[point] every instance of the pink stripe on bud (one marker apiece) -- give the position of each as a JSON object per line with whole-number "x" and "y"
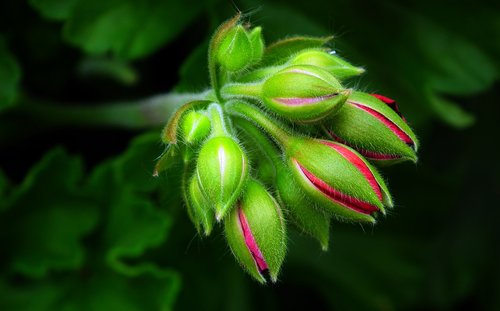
{"x": 360, "y": 165}
{"x": 366, "y": 153}
{"x": 337, "y": 196}
{"x": 390, "y": 102}
{"x": 251, "y": 243}
{"x": 298, "y": 101}
{"x": 393, "y": 127}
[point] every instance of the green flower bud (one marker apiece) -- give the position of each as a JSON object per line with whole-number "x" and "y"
{"x": 221, "y": 170}
{"x": 199, "y": 210}
{"x": 255, "y": 232}
{"x": 332, "y": 175}
{"x": 304, "y": 93}
{"x": 235, "y": 50}
{"x": 257, "y": 42}
{"x": 195, "y": 127}
{"x": 337, "y": 178}
{"x": 327, "y": 61}
{"x": 379, "y": 134}
{"x": 300, "y": 93}
{"x": 303, "y": 213}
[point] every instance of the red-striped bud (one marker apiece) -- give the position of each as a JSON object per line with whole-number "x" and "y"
{"x": 373, "y": 126}
{"x": 338, "y": 178}
{"x": 255, "y": 231}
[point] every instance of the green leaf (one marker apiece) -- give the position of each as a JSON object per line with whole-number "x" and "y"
{"x": 458, "y": 66}
{"x": 450, "y": 112}
{"x": 46, "y": 217}
{"x": 94, "y": 290}
{"x": 128, "y": 28}
{"x": 10, "y": 76}
{"x": 135, "y": 166}
{"x": 193, "y": 74}
{"x": 54, "y": 9}
{"x": 122, "y": 187}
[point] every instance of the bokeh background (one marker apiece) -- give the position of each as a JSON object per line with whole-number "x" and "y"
{"x": 84, "y": 226}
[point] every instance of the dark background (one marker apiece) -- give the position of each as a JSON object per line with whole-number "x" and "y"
{"x": 84, "y": 226}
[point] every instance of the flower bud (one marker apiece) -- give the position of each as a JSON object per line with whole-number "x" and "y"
{"x": 338, "y": 67}
{"x": 338, "y": 178}
{"x": 199, "y": 209}
{"x": 257, "y": 42}
{"x": 195, "y": 127}
{"x": 255, "y": 232}
{"x": 374, "y": 128}
{"x": 303, "y": 213}
{"x": 303, "y": 93}
{"x": 235, "y": 50}
{"x": 221, "y": 170}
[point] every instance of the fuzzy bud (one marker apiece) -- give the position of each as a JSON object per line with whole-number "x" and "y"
{"x": 338, "y": 67}
{"x": 199, "y": 209}
{"x": 257, "y": 42}
{"x": 235, "y": 50}
{"x": 255, "y": 231}
{"x": 338, "y": 178}
{"x": 195, "y": 127}
{"x": 303, "y": 93}
{"x": 303, "y": 213}
{"x": 221, "y": 171}
{"x": 379, "y": 134}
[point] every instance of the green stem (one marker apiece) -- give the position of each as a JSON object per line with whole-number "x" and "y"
{"x": 145, "y": 113}
{"x": 273, "y": 127}
{"x": 259, "y": 74}
{"x": 217, "y": 119}
{"x": 260, "y": 139}
{"x": 253, "y": 90}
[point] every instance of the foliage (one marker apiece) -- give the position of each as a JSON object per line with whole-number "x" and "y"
{"x": 96, "y": 231}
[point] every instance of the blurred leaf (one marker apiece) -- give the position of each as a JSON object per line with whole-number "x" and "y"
{"x": 193, "y": 74}
{"x": 459, "y": 66}
{"x": 128, "y": 28}
{"x": 133, "y": 222}
{"x": 450, "y": 112}
{"x": 10, "y": 76}
{"x": 46, "y": 217}
{"x": 135, "y": 166}
{"x": 38, "y": 296}
{"x": 54, "y": 9}
{"x": 360, "y": 266}
{"x": 93, "y": 291}
{"x": 116, "y": 70}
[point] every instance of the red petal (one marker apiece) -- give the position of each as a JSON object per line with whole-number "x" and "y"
{"x": 336, "y": 196}
{"x": 366, "y": 153}
{"x": 390, "y": 102}
{"x": 360, "y": 165}
{"x": 393, "y": 127}
{"x": 251, "y": 243}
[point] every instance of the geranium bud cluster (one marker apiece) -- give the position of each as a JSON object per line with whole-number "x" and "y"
{"x": 279, "y": 142}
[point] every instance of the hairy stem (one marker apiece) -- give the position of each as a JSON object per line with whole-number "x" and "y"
{"x": 144, "y": 113}
{"x": 249, "y": 112}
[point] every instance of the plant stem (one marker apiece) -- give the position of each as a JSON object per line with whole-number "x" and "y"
{"x": 273, "y": 127}
{"x": 217, "y": 118}
{"x": 261, "y": 140}
{"x": 144, "y": 113}
{"x": 252, "y": 90}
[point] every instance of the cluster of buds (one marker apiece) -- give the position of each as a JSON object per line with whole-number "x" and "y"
{"x": 244, "y": 166}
